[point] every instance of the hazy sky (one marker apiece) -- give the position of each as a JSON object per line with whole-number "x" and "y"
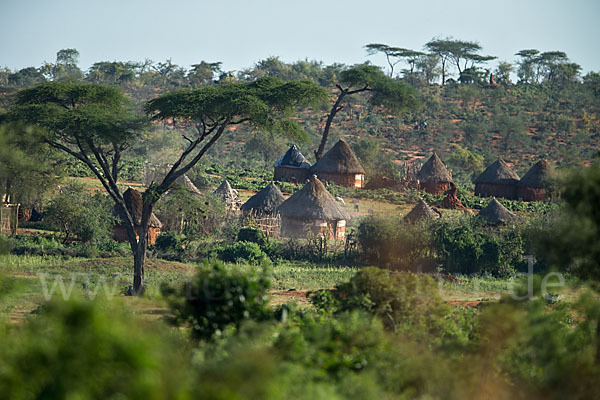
{"x": 241, "y": 32}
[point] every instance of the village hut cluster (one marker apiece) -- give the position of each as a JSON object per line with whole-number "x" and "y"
{"x": 499, "y": 180}
{"x": 313, "y": 210}
{"x": 339, "y": 165}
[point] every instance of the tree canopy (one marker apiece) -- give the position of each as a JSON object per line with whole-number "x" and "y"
{"x": 395, "y": 96}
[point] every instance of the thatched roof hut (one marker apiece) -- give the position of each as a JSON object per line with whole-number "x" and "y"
{"x": 264, "y": 202}
{"x": 340, "y": 165}
{"x": 496, "y": 214}
{"x": 433, "y": 177}
{"x": 498, "y": 180}
{"x": 532, "y": 187}
{"x": 420, "y": 212}
{"x": 134, "y": 203}
{"x": 312, "y": 209}
{"x": 189, "y": 185}
{"x": 228, "y": 195}
{"x": 292, "y": 167}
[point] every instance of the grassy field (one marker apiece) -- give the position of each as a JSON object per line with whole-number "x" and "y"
{"x": 35, "y": 279}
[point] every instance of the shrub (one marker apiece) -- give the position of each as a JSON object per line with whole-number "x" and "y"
{"x": 252, "y": 234}
{"x": 75, "y": 212}
{"x": 220, "y": 296}
{"x": 465, "y": 246}
{"x": 169, "y": 241}
{"x": 79, "y": 350}
{"x": 248, "y": 252}
{"x": 394, "y": 244}
{"x": 405, "y": 302}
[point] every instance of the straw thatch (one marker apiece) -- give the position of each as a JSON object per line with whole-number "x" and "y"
{"x": 134, "y": 203}
{"x": 498, "y": 173}
{"x": 434, "y": 170}
{"x": 496, "y": 214}
{"x": 313, "y": 202}
{"x": 419, "y": 212}
{"x": 532, "y": 187}
{"x": 266, "y": 201}
{"x": 498, "y": 180}
{"x": 293, "y": 158}
{"x": 340, "y": 159}
{"x": 537, "y": 176}
{"x": 189, "y": 185}
{"x": 433, "y": 177}
{"x": 229, "y": 196}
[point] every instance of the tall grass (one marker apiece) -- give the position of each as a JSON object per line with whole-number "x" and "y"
{"x": 30, "y": 263}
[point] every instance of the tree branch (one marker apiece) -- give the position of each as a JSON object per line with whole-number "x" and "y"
{"x": 174, "y": 173}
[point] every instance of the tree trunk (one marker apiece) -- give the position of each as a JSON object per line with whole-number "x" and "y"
{"x": 336, "y": 107}
{"x": 598, "y": 342}
{"x": 443, "y": 71}
{"x": 139, "y": 262}
{"x": 139, "y": 253}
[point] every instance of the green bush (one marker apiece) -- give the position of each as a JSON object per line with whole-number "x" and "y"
{"x": 405, "y": 302}
{"x": 80, "y": 350}
{"x": 169, "y": 241}
{"x": 464, "y": 246}
{"x": 392, "y": 243}
{"x": 247, "y": 252}
{"x": 75, "y": 212}
{"x": 49, "y": 245}
{"x": 221, "y": 296}
{"x": 252, "y": 234}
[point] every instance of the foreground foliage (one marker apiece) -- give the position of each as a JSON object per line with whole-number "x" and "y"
{"x": 511, "y": 349}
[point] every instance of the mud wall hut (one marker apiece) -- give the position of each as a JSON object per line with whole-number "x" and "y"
{"x": 313, "y": 209}
{"x": 264, "y": 202}
{"x": 339, "y": 165}
{"x": 498, "y": 180}
{"x": 134, "y": 203}
{"x": 532, "y": 187}
{"x": 434, "y": 177}
{"x": 292, "y": 167}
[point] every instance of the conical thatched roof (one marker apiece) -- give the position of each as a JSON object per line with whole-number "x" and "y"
{"x": 496, "y": 214}
{"x": 419, "y": 212}
{"x": 189, "y": 185}
{"x": 434, "y": 170}
{"x": 265, "y": 201}
{"x": 537, "y": 175}
{"x": 498, "y": 173}
{"x": 313, "y": 201}
{"x": 292, "y": 158}
{"x": 134, "y": 203}
{"x": 339, "y": 160}
{"x": 225, "y": 192}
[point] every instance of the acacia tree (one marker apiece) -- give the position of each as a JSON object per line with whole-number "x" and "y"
{"x": 528, "y": 65}
{"x": 460, "y": 52}
{"x": 91, "y": 123}
{"x": 389, "y": 93}
{"x": 410, "y": 56}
